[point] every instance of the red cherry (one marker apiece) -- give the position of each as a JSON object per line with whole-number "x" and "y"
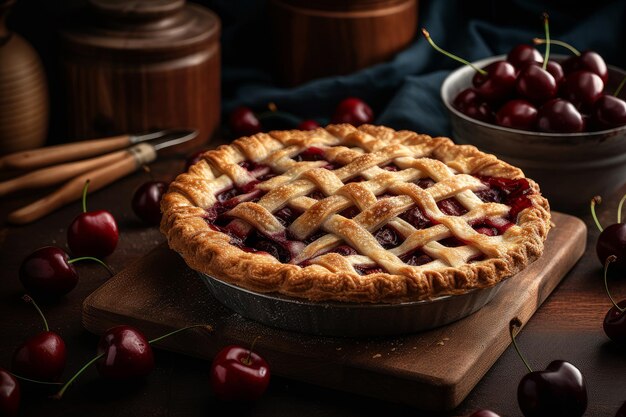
{"x": 582, "y": 88}
{"x": 498, "y": 83}
{"x": 126, "y": 354}
{"x": 308, "y": 125}
{"x": 146, "y": 202}
{"x": 41, "y": 357}
{"x": 484, "y": 413}
{"x": 517, "y": 114}
{"x": 555, "y": 69}
{"x": 612, "y": 239}
{"x": 243, "y": 122}
{"x": 559, "y": 390}
{"x": 194, "y": 158}
{"x": 353, "y": 111}
{"x": 559, "y": 116}
{"x": 47, "y": 272}
{"x": 472, "y": 105}
{"x": 536, "y": 84}
{"x": 622, "y": 411}
{"x": 494, "y": 83}
{"x": 9, "y": 394}
{"x": 92, "y": 233}
{"x": 587, "y": 61}
{"x": 239, "y": 374}
{"x": 522, "y": 55}
{"x": 609, "y": 112}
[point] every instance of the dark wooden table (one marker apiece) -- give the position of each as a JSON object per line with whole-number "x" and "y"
{"x": 568, "y": 326}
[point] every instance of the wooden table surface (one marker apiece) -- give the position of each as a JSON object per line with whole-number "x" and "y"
{"x": 568, "y": 326}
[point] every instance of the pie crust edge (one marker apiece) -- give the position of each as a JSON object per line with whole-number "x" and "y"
{"x": 210, "y": 252}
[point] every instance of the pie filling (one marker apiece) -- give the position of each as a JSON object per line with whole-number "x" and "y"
{"x": 284, "y": 247}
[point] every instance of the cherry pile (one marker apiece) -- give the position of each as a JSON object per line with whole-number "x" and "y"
{"x": 528, "y": 91}
{"x": 243, "y": 121}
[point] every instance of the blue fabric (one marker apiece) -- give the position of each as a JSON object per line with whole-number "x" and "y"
{"x": 404, "y": 92}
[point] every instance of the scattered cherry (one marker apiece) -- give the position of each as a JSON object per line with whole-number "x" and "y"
{"x": 239, "y": 374}
{"x": 48, "y": 272}
{"x": 517, "y": 114}
{"x": 615, "y": 320}
{"x": 243, "y": 122}
{"x": 146, "y": 202}
{"x": 10, "y": 394}
{"x": 559, "y": 390}
{"x": 42, "y": 356}
{"x": 354, "y": 111}
{"x": 612, "y": 240}
{"x": 124, "y": 353}
{"x": 522, "y": 55}
{"x": 308, "y": 124}
{"x": 484, "y": 413}
{"x": 92, "y": 233}
{"x": 559, "y": 116}
{"x": 493, "y": 83}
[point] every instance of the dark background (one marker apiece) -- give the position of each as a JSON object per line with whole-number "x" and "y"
{"x": 404, "y": 92}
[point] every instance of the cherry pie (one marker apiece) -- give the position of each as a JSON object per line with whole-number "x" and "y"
{"x": 363, "y": 214}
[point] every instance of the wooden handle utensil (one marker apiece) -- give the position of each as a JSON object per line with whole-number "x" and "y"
{"x": 134, "y": 158}
{"x": 49, "y": 155}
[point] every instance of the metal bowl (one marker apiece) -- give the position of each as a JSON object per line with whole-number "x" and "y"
{"x": 348, "y": 319}
{"x": 569, "y": 167}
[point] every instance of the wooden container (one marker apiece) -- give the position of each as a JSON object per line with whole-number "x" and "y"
{"x": 318, "y": 38}
{"x": 134, "y": 66}
{"x": 23, "y": 92}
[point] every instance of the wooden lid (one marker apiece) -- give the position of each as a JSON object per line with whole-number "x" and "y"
{"x": 140, "y": 29}
{"x": 137, "y": 9}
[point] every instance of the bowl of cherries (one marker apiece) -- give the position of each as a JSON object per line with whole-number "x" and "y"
{"x": 560, "y": 118}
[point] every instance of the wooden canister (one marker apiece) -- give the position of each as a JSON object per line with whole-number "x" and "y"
{"x": 23, "y": 91}
{"x": 131, "y": 66}
{"x": 318, "y": 38}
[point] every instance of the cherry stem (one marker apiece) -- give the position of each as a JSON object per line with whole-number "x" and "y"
{"x": 611, "y": 258}
{"x": 91, "y": 258}
{"x": 64, "y": 388}
{"x": 248, "y": 360}
{"x": 539, "y": 41}
{"x": 449, "y": 55}
{"x": 515, "y": 322}
{"x": 29, "y": 299}
{"x": 619, "y": 87}
{"x": 619, "y": 208}
{"x": 85, "y": 187}
{"x": 547, "y": 30}
{"x": 59, "y": 394}
{"x": 596, "y": 200}
{"x": 178, "y": 331}
{"x": 35, "y": 381}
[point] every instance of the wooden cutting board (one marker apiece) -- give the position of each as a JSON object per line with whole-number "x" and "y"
{"x": 432, "y": 370}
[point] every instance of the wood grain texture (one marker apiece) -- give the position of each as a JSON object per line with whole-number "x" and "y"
{"x": 128, "y": 75}
{"x": 432, "y": 370}
{"x": 340, "y": 36}
{"x": 24, "y": 106}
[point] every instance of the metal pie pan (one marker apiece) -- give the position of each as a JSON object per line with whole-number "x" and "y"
{"x": 348, "y": 319}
